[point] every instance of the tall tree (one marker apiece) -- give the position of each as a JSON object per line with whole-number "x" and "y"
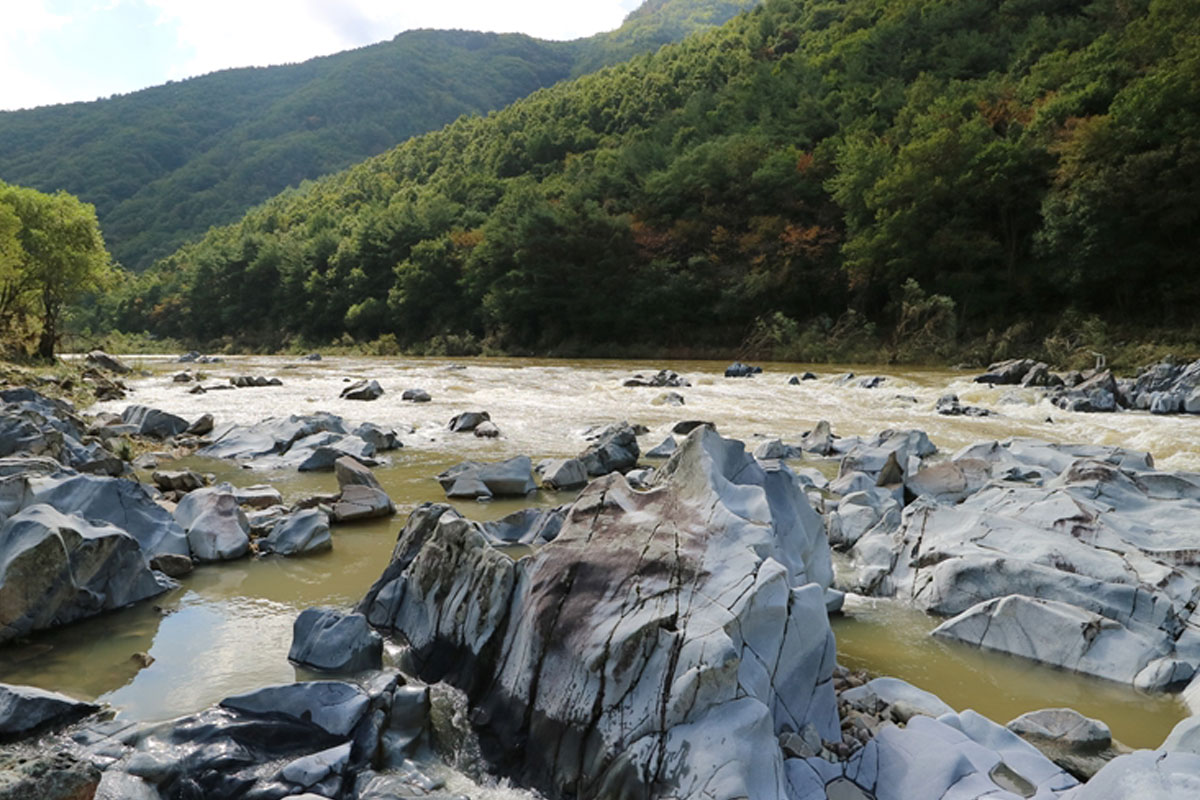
{"x": 62, "y": 254}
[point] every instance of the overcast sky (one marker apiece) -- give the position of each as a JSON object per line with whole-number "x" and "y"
{"x": 57, "y": 51}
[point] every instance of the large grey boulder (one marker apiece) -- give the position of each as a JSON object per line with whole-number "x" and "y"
{"x": 217, "y": 528}
{"x": 127, "y": 505}
{"x": 25, "y": 710}
{"x": 328, "y": 640}
{"x": 351, "y": 472}
{"x": 614, "y": 450}
{"x": 270, "y": 438}
{"x": 674, "y": 634}
{"x": 57, "y": 568}
{"x": 511, "y": 478}
{"x": 1078, "y": 744}
{"x": 301, "y": 533}
{"x": 359, "y": 502}
{"x": 154, "y": 422}
{"x": 563, "y": 473}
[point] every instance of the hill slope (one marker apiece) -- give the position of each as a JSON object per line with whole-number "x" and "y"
{"x": 927, "y": 167}
{"x": 164, "y": 164}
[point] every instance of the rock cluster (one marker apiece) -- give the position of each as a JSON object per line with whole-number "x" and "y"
{"x": 1078, "y": 556}
{"x": 305, "y": 443}
{"x": 664, "y": 378}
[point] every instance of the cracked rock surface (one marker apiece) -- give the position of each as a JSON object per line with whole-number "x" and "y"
{"x": 1081, "y": 556}
{"x": 659, "y": 646}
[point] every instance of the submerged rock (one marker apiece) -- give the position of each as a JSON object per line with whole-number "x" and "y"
{"x": 674, "y": 633}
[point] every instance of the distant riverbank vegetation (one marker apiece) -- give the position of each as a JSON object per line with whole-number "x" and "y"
{"x": 906, "y": 180}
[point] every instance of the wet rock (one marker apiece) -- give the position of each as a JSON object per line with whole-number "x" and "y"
{"x": 312, "y": 357}
{"x": 203, "y": 425}
{"x": 468, "y": 421}
{"x": 739, "y": 370}
{"x": 363, "y": 390}
{"x": 663, "y": 450}
{"x": 329, "y": 640}
{"x": 270, "y": 439}
{"x": 873, "y": 382}
{"x": 688, "y": 425}
{"x": 1007, "y": 373}
{"x": 382, "y": 440}
{"x": 153, "y": 422}
{"x": 948, "y": 405}
{"x": 116, "y": 785}
{"x": 716, "y": 577}
{"x": 663, "y": 379}
{"x": 57, "y": 568}
{"x": 359, "y": 502}
{"x": 615, "y": 450}
{"x": 351, "y": 472}
{"x": 25, "y": 710}
{"x": 1078, "y": 744}
{"x": 46, "y": 775}
{"x": 486, "y": 430}
{"x": 257, "y": 497}
{"x": 1096, "y": 394}
{"x": 253, "y": 381}
{"x": 415, "y": 396}
{"x": 669, "y": 399}
{"x": 302, "y": 533}
{"x": 177, "y": 480}
{"x": 102, "y": 360}
{"x": 217, "y": 529}
{"x": 1039, "y": 375}
{"x": 182, "y": 377}
{"x": 511, "y": 478}
{"x": 563, "y": 473}
{"x": 172, "y": 565}
{"x": 334, "y": 707}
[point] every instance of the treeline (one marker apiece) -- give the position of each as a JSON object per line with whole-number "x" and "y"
{"x": 164, "y": 164}
{"x": 912, "y": 170}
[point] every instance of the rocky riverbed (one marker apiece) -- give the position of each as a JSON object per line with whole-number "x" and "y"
{"x": 665, "y": 631}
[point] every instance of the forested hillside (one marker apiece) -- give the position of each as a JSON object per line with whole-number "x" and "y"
{"x": 164, "y": 164}
{"x": 913, "y": 169}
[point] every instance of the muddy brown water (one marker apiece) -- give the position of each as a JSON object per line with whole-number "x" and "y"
{"x": 227, "y": 629}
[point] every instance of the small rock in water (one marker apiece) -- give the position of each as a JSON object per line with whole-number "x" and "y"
{"x": 363, "y": 390}
{"x": 739, "y": 370}
{"x": 416, "y": 396}
{"x": 487, "y": 430}
{"x": 468, "y": 421}
{"x": 142, "y": 659}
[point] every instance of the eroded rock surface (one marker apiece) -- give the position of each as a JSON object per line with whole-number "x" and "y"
{"x": 658, "y": 646}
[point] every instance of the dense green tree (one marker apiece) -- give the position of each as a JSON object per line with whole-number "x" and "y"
{"x": 61, "y": 256}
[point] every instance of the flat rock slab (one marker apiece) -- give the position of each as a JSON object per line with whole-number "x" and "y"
{"x": 330, "y": 705}
{"x": 25, "y": 710}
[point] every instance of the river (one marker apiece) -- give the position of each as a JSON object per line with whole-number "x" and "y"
{"x": 227, "y": 629}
